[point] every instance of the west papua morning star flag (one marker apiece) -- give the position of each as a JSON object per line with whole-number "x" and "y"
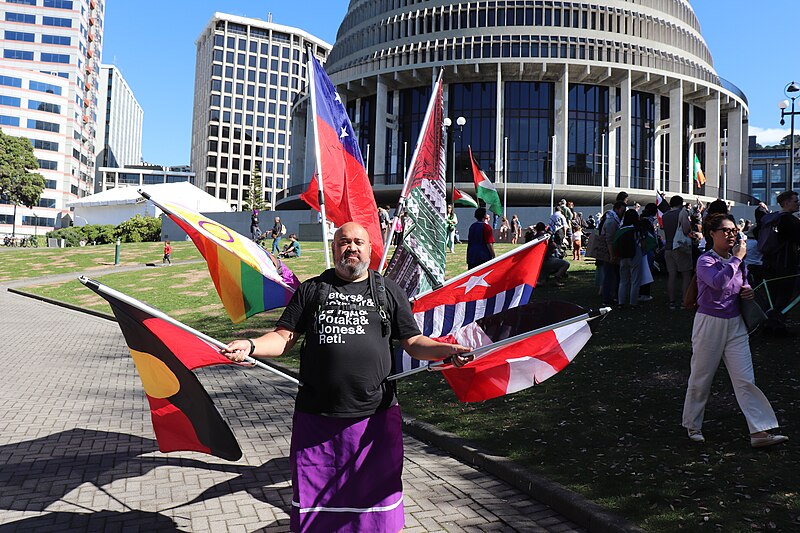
{"x": 418, "y": 263}
{"x": 501, "y": 284}
{"x": 517, "y": 349}
{"x": 346, "y": 186}
{"x": 248, "y": 279}
{"x": 184, "y": 417}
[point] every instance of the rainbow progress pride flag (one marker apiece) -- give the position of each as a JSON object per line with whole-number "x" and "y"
{"x": 248, "y": 279}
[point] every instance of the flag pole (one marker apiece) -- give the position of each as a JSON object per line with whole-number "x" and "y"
{"x": 505, "y": 177}
{"x": 401, "y": 204}
{"x": 105, "y": 289}
{"x": 485, "y": 350}
{"x": 318, "y": 155}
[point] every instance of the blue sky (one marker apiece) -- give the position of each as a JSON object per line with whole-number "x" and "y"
{"x": 152, "y": 42}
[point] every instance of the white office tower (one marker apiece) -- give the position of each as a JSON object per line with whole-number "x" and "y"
{"x": 120, "y": 118}
{"x": 48, "y": 93}
{"x": 248, "y": 75}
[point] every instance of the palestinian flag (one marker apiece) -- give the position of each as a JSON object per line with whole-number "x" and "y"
{"x": 485, "y": 188}
{"x": 463, "y": 199}
{"x": 184, "y": 417}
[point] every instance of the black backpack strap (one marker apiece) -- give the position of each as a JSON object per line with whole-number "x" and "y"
{"x": 378, "y": 289}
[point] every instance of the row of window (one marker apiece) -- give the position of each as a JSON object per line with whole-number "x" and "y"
{"x": 240, "y": 104}
{"x": 242, "y": 45}
{"x": 13, "y": 101}
{"x": 58, "y": 4}
{"x": 45, "y": 57}
{"x": 251, "y": 75}
{"x": 254, "y": 61}
{"x": 518, "y": 13}
{"x": 217, "y": 85}
{"x": 30, "y": 38}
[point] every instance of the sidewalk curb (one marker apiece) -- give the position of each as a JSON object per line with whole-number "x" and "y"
{"x": 572, "y": 505}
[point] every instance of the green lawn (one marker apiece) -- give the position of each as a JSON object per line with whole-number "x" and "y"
{"x": 608, "y": 426}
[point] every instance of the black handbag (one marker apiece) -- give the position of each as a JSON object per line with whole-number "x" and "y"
{"x": 754, "y": 317}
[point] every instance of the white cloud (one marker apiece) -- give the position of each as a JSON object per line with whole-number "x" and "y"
{"x": 768, "y": 136}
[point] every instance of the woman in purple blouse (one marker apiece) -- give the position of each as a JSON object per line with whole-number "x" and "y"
{"x": 719, "y": 333}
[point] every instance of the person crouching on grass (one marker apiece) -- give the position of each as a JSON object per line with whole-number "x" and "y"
{"x": 719, "y": 333}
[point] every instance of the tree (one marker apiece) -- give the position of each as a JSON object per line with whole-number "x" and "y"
{"x": 787, "y": 140}
{"x": 19, "y": 184}
{"x": 257, "y": 192}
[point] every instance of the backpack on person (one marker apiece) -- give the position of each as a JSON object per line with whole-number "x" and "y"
{"x": 768, "y": 239}
{"x": 625, "y": 242}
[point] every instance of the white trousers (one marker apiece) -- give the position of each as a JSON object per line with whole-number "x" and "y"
{"x": 724, "y": 338}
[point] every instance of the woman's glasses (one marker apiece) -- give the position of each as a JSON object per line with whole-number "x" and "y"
{"x": 728, "y": 231}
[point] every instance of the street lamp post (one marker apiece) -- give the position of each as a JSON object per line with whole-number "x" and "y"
{"x": 792, "y": 91}
{"x": 460, "y": 121}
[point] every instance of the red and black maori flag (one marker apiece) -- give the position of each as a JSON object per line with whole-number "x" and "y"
{"x": 184, "y": 417}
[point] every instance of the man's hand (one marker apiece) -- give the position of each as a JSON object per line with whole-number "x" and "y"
{"x": 747, "y": 293}
{"x": 237, "y": 350}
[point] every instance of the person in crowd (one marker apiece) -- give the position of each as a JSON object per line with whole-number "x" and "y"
{"x": 552, "y": 265}
{"x": 678, "y": 259}
{"x": 480, "y": 240}
{"x": 719, "y": 333}
{"x": 569, "y": 215}
{"x": 383, "y": 219}
{"x": 577, "y": 241}
{"x": 649, "y": 224}
{"x": 516, "y": 230}
{"x": 255, "y": 230}
{"x": 278, "y": 231}
{"x": 505, "y": 228}
{"x": 167, "y": 253}
{"x": 346, "y": 449}
{"x": 783, "y": 259}
{"x": 399, "y": 225}
{"x": 452, "y": 223}
{"x": 293, "y": 248}
{"x": 610, "y": 224}
{"x": 628, "y": 242}
{"x": 558, "y": 223}
{"x": 623, "y": 197}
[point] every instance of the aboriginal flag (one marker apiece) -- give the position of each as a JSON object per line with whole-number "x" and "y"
{"x": 184, "y": 417}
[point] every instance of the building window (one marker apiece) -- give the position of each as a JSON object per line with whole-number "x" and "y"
{"x": 19, "y": 36}
{"x": 45, "y": 145}
{"x": 58, "y": 4}
{"x": 44, "y": 126}
{"x": 55, "y": 58}
{"x": 9, "y": 121}
{"x": 8, "y": 81}
{"x": 24, "y": 2}
{"x": 56, "y": 39}
{"x": 44, "y": 164}
{"x": 18, "y": 54}
{"x": 9, "y": 101}
{"x": 44, "y": 106}
{"x": 57, "y": 21}
{"x": 44, "y": 87}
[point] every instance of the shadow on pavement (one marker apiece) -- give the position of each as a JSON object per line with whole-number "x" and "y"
{"x": 37, "y": 473}
{"x": 106, "y": 521}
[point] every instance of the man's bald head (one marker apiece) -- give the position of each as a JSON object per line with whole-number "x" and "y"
{"x": 352, "y": 230}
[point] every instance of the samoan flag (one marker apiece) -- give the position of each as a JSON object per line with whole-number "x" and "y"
{"x": 517, "y": 349}
{"x": 183, "y": 414}
{"x": 248, "y": 279}
{"x": 346, "y": 186}
{"x": 499, "y": 285}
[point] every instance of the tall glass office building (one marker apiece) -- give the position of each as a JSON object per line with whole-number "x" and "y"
{"x": 589, "y": 96}
{"x": 48, "y": 93}
{"x": 248, "y": 74}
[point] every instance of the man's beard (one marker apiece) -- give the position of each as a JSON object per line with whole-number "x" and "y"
{"x": 352, "y": 270}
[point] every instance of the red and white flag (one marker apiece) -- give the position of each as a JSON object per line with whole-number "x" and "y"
{"x": 526, "y": 358}
{"x": 499, "y": 285}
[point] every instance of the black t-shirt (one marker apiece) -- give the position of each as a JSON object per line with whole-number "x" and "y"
{"x": 346, "y": 358}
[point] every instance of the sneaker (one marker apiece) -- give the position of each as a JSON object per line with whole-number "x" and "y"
{"x": 645, "y": 298}
{"x": 767, "y": 440}
{"x": 695, "y": 435}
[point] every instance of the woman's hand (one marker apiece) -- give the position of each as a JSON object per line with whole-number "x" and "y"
{"x": 747, "y": 293}
{"x": 739, "y": 250}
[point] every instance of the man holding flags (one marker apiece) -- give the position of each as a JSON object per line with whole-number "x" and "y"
{"x": 347, "y": 450}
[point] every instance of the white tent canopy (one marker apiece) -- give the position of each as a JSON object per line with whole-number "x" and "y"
{"x": 123, "y": 203}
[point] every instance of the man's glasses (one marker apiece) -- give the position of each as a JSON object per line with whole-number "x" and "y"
{"x": 728, "y": 231}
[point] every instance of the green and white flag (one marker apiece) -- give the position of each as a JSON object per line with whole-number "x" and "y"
{"x": 463, "y": 199}
{"x": 485, "y": 188}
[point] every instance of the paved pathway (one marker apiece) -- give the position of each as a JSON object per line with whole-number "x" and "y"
{"x": 77, "y": 449}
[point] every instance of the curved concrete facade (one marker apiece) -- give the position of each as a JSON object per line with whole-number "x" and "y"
{"x": 591, "y": 96}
